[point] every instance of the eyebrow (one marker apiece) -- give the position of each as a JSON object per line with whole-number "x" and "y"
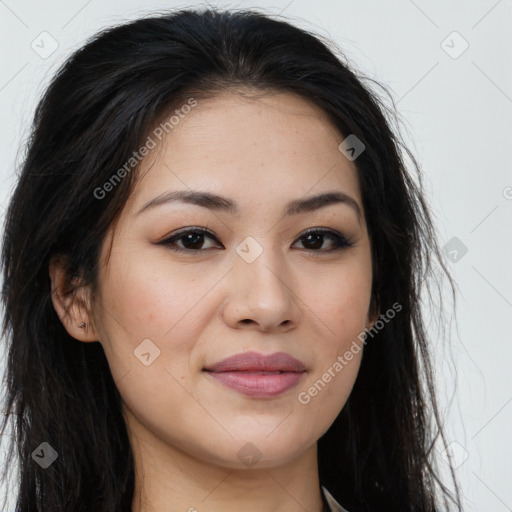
{"x": 219, "y": 203}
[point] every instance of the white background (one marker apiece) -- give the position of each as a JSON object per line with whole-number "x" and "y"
{"x": 457, "y": 113}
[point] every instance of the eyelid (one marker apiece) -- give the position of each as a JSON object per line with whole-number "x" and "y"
{"x": 188, "y": 229}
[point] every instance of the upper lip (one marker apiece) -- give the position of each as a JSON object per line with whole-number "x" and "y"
{"x": 253, "y": 361}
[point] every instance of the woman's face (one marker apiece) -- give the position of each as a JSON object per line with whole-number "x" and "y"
{"x": 255, "y": 283}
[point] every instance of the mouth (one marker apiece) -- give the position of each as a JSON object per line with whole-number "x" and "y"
{"x": 257, "y": 375}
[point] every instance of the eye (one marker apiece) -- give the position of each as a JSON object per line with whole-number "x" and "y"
{"x": 192, "y": 240}
{"x": 315, "y": 237}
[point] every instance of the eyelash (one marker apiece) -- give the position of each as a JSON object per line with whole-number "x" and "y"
{"x": 340, "y": 241}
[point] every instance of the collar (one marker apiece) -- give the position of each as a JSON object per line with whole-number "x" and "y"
{"x": 330, "y": 504}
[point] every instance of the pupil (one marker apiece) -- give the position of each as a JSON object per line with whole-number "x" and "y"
{"x": 318, "y": 237}
{"x": 195, "y": 237}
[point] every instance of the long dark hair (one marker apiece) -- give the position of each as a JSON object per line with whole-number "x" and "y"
{"x": 378, "y": 454}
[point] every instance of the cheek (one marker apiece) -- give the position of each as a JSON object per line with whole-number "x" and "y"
{"x": 342, "y": 300}
{"x": 148, "y": 307}
{"x": 342, "y": 303}
{"x": 148, "y": 295}
{"x": 145, "y": 300}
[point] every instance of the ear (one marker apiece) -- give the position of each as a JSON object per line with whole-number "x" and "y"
{"x": 72, "y": 301}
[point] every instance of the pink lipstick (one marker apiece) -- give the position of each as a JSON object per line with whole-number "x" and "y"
{"x": 258, "y": 375}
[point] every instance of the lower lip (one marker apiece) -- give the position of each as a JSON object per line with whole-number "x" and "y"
{"x": 258, "y": 385}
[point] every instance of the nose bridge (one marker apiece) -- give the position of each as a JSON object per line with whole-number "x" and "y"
{"x": 261, "y": 264}
{"x": 263, "y": 289}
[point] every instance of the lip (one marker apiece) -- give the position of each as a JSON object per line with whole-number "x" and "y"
{"x": 258, "y": 375}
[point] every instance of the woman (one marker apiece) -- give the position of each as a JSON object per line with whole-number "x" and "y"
{"x": 212, "y": 271}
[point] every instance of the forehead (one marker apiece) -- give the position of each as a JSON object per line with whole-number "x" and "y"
{"x": 269, "y": 148}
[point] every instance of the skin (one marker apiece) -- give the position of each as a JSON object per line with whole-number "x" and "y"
{"x": 198, "y": 308}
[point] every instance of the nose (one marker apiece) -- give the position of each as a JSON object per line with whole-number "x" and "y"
{"x": 262, "y": 294}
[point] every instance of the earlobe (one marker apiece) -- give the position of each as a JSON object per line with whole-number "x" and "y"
{"x": 71, "y": 301}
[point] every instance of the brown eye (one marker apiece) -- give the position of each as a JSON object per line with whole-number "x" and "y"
{"x": 314, "y": 239}
{"x": 192, "y": 240}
